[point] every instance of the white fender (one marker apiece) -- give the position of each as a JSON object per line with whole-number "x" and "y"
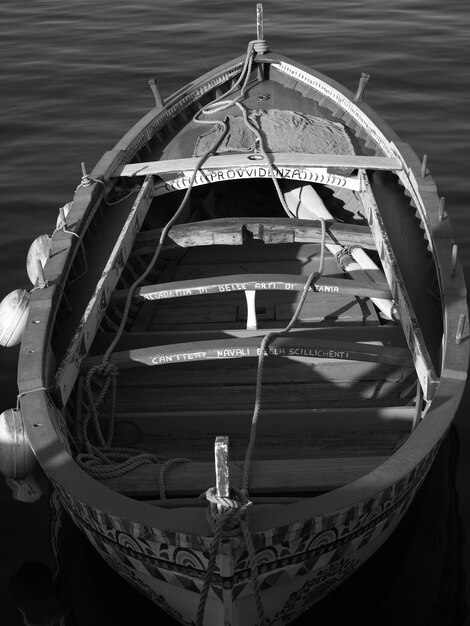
{"x": 39, "y": 251}
{"x": 14, "y": 310}
{"x": 17, "y": 460}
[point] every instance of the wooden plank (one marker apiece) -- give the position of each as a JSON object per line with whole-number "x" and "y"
{"x": 281, "y": 476}
{"x": 389, "y": 334}
{"x": 237, "y": 231}
{"x": 285, "y": 394}
{"x": 300, "y": 345}
{"x": 310, "y": 421}
{"x": 254, "y": 282}
{"x": 422, "y": 360}
{"x": 176, "y": 182}
{"x": 83, "y": 337}
{"x": 279, "y": 160}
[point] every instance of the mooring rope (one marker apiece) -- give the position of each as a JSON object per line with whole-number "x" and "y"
{"x": 231, "y": 521}
{"x": 267, "y": 339}
{"x": 105, "y": 460}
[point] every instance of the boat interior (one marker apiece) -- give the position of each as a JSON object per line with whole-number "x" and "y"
{"x": 339, "y": 392}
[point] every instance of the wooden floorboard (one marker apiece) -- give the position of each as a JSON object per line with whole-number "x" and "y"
{"x": 274, "y": 476}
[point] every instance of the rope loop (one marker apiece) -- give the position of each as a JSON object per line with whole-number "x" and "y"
{"x": 344, "y": 257}
{"x": 231, "y": 522}
{"x": 260, "y": 46}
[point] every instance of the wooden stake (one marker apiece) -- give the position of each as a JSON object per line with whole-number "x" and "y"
{"x": 442, "y": 204}
{"x": 424, "y": 166}
{"x": 221, "y": 469}
{"x": 41, "y": 281}
{"x": 259, "y": 21}
{"x": 156, "y": 93}
{"x": 361, "y": 87}
{"x": 460, "y": 328}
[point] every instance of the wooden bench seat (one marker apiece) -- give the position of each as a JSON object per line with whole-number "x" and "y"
{"x": 298, "y": 345}
{"x": 238, "y": 231}
{"x": 254, "y": 282}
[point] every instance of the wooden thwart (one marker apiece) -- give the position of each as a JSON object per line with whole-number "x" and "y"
{"x": 238, "y": 231}
{"x": 250, "y": 160}
{"x": 277, "y": 476}
{"x": 299, "y": 345}
{"x": 254, "y": 282}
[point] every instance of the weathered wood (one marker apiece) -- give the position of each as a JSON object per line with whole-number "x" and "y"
{"x": 257, "y": 282}
{"x": 231, "y": 161}
{"x": 300, "y": 345}
{"x": 280, "y": 476}
{"x": 83, "y": 337}
{"x": 237, "y": 231}
{"x": 389, "y": 335}
{"x": 172, "y": 182}
{"x": 222, "y": 481}
{"x": 422, "y": 360}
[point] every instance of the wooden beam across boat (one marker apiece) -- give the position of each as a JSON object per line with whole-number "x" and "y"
{"x": 254, "y": 282}
{"x": 270, "y": 476}
{"x": 298, "y": 345}
{"x": 240, "y": 230}
{"x": 414, "y": 336}
{"x": 223, "y": 163}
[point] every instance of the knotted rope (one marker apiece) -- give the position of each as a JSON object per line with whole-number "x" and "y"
{"x": 232, "y": 521}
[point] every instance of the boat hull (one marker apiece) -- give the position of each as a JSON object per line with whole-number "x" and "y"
{"x": 297, "y": 565}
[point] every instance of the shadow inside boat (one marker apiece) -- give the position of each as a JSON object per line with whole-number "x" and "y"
{"x": 416, "y": 578}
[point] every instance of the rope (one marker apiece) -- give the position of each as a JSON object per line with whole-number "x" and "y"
{"x": 267, "y": 339}
{"x": 98, "y": 459}
{"x": 229, "y": 522}
{"x": 25, "y": 393}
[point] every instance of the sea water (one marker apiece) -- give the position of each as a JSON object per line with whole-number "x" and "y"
{"x": 74, "y": 77}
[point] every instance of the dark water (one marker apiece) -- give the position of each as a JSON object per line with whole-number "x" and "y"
{"x": 74, "y": 77}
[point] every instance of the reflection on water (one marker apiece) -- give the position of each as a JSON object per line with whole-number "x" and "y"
{"x": 417, "y": 578}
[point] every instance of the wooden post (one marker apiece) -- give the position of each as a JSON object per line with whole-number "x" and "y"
{"x": 424, "y": 166}
{"x": 361, "y": 87}
{"x": 221, "y": 469}
{"x": 454, "y": 260}
{"x": 156, "y": 93}
{"x": 85, "y": 178}
{"x": 251, "y": 321}
{"x": 259, "y": 21}
{"x": 460, "y": 328}
{"x": 442, "y": 204}
{"x": 41, "y": 281}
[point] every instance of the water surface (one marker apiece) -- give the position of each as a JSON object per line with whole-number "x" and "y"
{"x": 75, "y": 76}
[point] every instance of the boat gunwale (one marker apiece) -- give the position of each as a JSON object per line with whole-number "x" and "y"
{"x": 51, "y": 449}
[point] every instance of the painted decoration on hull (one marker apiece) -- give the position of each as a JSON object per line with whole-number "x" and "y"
{"x": 298, "y": 564}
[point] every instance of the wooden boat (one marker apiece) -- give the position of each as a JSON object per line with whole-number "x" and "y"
{"x": 266, "y": 265}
